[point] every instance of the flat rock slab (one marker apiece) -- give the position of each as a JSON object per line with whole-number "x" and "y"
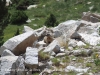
{"x": 31, "y": 57}
{"x": 18, "y": 44}
{"x": 72, "y": 68}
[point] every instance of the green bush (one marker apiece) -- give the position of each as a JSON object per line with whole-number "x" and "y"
{"x": 18, "y": 17}
{"x": 51, "y": 21}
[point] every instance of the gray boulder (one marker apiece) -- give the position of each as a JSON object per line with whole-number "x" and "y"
{"x": 18, "y": 44}
{"x": 72, "y": 43}
{"x": 90, "y": 39}
{"x": 84, "y": 52}
{"x": 56, "y": 33}
{"x": 53, "y": 46}
{"x": 92, "y": 17}
{"x": 6, "y": 63}
{"x": 31, "y": 58}
{"x": 68, "y": 27}
{"x": 18, "y": 67}
{"x": 80, "y": 44}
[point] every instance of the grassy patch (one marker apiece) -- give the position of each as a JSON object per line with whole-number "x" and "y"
{"x": 71, "y": 73}
{"x": 55, "y": 61}
{"x": 43, "y": 56}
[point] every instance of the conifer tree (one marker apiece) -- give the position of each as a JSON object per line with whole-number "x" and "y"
{"x": 3, "y": 18}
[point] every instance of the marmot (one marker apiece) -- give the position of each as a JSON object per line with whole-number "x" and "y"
{"x": 48, "y": 39}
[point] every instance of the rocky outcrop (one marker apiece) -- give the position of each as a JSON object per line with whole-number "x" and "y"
{"x": 6, "y": 64}
{"x": 18, "y": 67}
{"x": 18, "y": 44}
{"x": 72, "y": 46}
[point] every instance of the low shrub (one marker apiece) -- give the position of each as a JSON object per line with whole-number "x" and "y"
{"x": 51, "y": 21}
{"x": 56, "y": 62}
{"x": 18, "y": 17}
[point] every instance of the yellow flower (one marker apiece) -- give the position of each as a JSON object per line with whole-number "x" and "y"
{"x": 97, "y": 55}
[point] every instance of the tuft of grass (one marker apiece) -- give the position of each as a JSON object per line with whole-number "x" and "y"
{"x": 55, "y": 61}
{"x": 86, "y": 46}
{"x": 89, "y": 64}
{"x": 71, "y": 73}
{"x": 43, "y": 56}
{"x": 36, "y": 73}
{"x": 66, "y": 59}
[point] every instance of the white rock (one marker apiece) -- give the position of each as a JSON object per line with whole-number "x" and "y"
{"x": 44, "y": 6}
{"x": 53, "y": 46}
{"x": 68, "y": 27}
{"x": 95, "y": 34}
{"x": 89, "y": 2}
{"x": 28, "y": 21}
{"x": 8, "y": 2}
{"x": 60, "y": 54}
{"x": 18, "y": 44}
{"x": 32, "y": 6}
{"x": 92, "y": 40}
{"x": 80, "y": 43}
{"x": 27, "y": 29}
{"x": 62, "y": 50}
{"x": 72, "y": 68}
{"x": 72, "y": 43}
{"x": 6, "y": 64}
{"x": 7, "y": 52}
{"x": 91, "y": 7}
{"x": 42, "y": 42}
{"x": 70, "y": 48}
{"x": 31, "y": 57}
{"x": 80, "y": 74}
{"x": 53, "y": 53}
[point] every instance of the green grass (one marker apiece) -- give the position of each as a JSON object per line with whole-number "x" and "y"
{"x": 10, "y": 31}
{"x": 63, "y": 11}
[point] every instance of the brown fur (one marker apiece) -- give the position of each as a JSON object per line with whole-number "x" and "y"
{"x": 48, "y": 39}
